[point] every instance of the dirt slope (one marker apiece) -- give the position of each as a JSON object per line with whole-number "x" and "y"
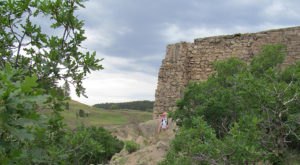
{"x": 153, "y": 145}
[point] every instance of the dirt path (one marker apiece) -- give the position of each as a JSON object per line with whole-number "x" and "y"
{"x": 153, "y": 146}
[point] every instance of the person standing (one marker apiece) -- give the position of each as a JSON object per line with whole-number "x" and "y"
{"x": 163, "y": 122}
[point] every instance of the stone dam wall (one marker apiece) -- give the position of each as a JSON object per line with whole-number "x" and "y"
{"x": 185, "y": 62}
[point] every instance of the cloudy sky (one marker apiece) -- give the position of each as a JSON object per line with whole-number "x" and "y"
{"x": 131, "y": 36}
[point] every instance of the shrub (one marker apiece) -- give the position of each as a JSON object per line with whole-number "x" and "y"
{"x": 83, "y": 113}
{"x": 131, "y": 146}
{"x": 242, "y": 114}
{"x": 91, "y": 145}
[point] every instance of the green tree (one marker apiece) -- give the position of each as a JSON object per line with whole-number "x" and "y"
{"x": 33, "y": 58}
{"x": 242, "y": 114}
{"x": 26, "y": 45}
{"x": 136, "y": 105}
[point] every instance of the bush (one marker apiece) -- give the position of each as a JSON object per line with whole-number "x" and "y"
{"x": 91, "y": 145}
{"x": 83, "y": 113}
{"x": 242, "y": 114}
{"x": 131, "y": 146}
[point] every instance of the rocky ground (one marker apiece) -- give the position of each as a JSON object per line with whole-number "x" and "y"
{"x": 153, "y": 145}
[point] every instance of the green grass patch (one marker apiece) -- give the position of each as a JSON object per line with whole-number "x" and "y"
{"x": 131, "y": 146}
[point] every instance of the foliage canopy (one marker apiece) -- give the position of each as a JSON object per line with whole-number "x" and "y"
{"x": 40, "y": 45}
{"x": 244, "y": 113}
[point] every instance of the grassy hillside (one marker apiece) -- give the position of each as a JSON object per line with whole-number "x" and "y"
{"x": 101, "y": 117}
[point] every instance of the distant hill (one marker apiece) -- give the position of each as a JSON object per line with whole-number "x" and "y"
{"x": 144, "y": 105}
{"x": 99, "y": 117}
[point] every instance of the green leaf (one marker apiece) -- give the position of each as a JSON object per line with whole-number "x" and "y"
{"x": 40, "y": 99}
{"x": 22, "y": 134}
{"x": 23, "y": 122}
{"x": 29, "y": 83}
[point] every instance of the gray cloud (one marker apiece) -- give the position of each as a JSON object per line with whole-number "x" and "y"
{"x": 135, "y": 26}
{"x": 132, "y": 34}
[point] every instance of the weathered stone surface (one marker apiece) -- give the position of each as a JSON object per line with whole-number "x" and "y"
{"x": 186, "y": 62}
